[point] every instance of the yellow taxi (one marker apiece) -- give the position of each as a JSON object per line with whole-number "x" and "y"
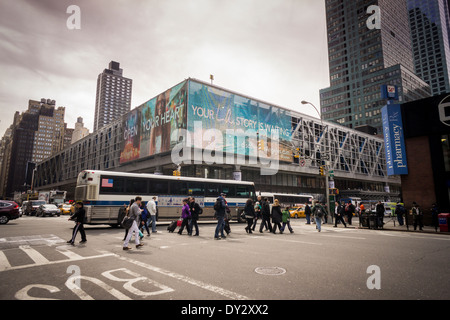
{"x": 297, "y": 212}
{"x": 65, "y": 208}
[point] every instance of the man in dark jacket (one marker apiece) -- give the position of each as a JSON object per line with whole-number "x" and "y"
{"x": 380, "y": 213}
{"x": 220, "y": 210}
{"x": 265, "y": 211}
{"x": 79, "y": 217}
{"x": 195, "y": 211}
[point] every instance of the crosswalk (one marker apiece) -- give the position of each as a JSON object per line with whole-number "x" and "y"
{"x": 38, "y": 250}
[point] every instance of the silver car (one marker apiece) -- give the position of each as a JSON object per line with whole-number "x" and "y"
{"x": 48, "y": 210}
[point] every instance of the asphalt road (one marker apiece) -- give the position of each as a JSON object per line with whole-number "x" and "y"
{"x": 337, "y": 263}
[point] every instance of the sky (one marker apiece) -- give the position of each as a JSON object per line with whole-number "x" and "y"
{"x": 271, "y": 50}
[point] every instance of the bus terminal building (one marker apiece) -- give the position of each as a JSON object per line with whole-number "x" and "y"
{"x": 201, "y": 130}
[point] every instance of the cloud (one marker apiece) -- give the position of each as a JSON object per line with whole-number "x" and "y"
{"x": 272, "y": 50}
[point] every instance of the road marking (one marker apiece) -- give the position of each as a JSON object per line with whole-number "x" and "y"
{"x": 34, "y": 255}
{"x": 4, "y": 263}
{"x": 200, "y": 284}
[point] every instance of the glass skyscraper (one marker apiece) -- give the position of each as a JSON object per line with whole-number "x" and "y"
{"x": 429, "y": 21}
{"x": 362, "y": 58}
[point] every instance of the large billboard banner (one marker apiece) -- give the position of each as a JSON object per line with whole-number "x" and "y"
{"x": 152, "y": 127}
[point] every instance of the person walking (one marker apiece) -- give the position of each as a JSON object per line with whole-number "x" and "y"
{"x": 257, "y": 212}
{"x": 435, "y": 216}
{"x": 152, "y": 210}
{"x": 349, "y": 211}
{"x": 265, "y": 216}
{"x": 308, "y": 213}
{"x": 318, "y": 211}
{"x": 276, "y": 216}
{"x": 186, "y": 216}
{"x": 417, "y": 216}
{"x": 249, "y": 213}
{"x": 78, "y": 216}
{"x": 145, "y": 217}
{"x": 339, "y": 214}
{"x": 400, "y": 211}
{"x": 219, "y": 214}
{"x": 286, "y": 218}
{"x": 196, "y": 210}
{"x": 134, "y": 214}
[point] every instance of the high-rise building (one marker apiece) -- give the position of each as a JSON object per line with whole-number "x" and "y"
{"x": 362, "y": 58}
{"x": 113, "y": 98}
{"x": 33, "y": 136}
{"x": 429, "y": 21}
{"x": 80, "y": 130}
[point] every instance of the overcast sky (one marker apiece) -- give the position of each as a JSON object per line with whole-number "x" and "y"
{"x": 273, "y": 50}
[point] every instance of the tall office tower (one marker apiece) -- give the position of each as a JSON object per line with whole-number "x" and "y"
{"x": 429, "y": 22}
{"x": 364, "y": 56}
{"x": 113, "y": 97}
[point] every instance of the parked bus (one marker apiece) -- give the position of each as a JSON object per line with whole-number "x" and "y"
{"x": 104, "y": 193}
{"x": 290, "y": 200}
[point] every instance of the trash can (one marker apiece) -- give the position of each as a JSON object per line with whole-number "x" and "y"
{"x": 373, "y": 221}
{"x": 444, "y": 221}
{"x": 365, "y": 220}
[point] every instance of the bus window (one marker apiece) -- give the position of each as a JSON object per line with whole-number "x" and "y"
{"x": 229, "y": 190}
{"x": 136, "y": 186}
{"x": 243, "y": 192}
{"x": 213, "y": 190}
{"x": 178, "y": 188}
{"x": 112, "y": 185}
{"x": 196, "y": 189}
{"x": 158, "y": 187}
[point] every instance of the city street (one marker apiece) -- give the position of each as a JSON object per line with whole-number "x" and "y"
{"x": 337, "y": 263}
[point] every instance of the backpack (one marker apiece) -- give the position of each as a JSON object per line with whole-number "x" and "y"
{"x": 319, "y": 212}
{"x": 217, "y": 205}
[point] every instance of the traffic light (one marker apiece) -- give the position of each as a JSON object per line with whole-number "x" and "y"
{"x": 321, "y": 171}
{"x": 177, "y": 173}
{"x": 261, "y": 145}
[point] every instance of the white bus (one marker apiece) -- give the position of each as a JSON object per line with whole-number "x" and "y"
{"x": 104, "y": 193}
{"x": 288, "y": 200}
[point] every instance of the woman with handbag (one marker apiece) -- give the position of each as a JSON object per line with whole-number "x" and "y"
{"x": 249, "y": 212}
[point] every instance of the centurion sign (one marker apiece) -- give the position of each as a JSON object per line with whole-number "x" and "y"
{"x": 394, "y": 143}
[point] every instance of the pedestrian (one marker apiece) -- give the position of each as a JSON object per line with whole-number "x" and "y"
{"x": 417, "y": 216}
{"x": 145, "y": 217}
{"x": 249, "y": 213}
{"x": 339, "y": 214}
{"x": 227, "y": 219}
{"x": 186, "y": 216}
{"x": 196, "y": 210}
{"x": 435, "y": 216}
{"x": 219, "y": 214}
{"x": 400, "y": 211}
{"x": 349, "y": 211}
{"x": 257, "y": 212}
{"x": 153, "y": 210}
{"x": 276, "y": 216}
{"x": 318, "y": 211}
{"x": 325, "y": 216}
{"x": 265, "y": 216}
{"x": 379, "y": 209}
{"x": 78, "y": 216}
{"x": 286, "y": 218}
{"x": 134, "y": 213}
{"x": 308, "y": 213}
{"x": 127, "y": 211}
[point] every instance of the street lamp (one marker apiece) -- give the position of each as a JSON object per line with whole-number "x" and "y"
{"x": 327, "y": 186}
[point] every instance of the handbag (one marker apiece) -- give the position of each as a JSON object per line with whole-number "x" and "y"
{"x": 127, "y": 222}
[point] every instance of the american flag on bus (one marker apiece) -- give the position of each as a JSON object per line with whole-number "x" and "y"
{"x": 107, "y": 183}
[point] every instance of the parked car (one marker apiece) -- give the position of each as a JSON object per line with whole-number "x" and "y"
{"x": 9, "y": 210}
{"x": 48, "y": 210}
{"x": 65, "y": 208}
{"x": 32, "y": 206}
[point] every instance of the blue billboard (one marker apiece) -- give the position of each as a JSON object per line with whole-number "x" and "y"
{"x": 394, "y": 142}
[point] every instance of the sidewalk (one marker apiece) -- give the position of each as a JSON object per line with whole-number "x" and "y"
{"x": 391, "y": 224}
